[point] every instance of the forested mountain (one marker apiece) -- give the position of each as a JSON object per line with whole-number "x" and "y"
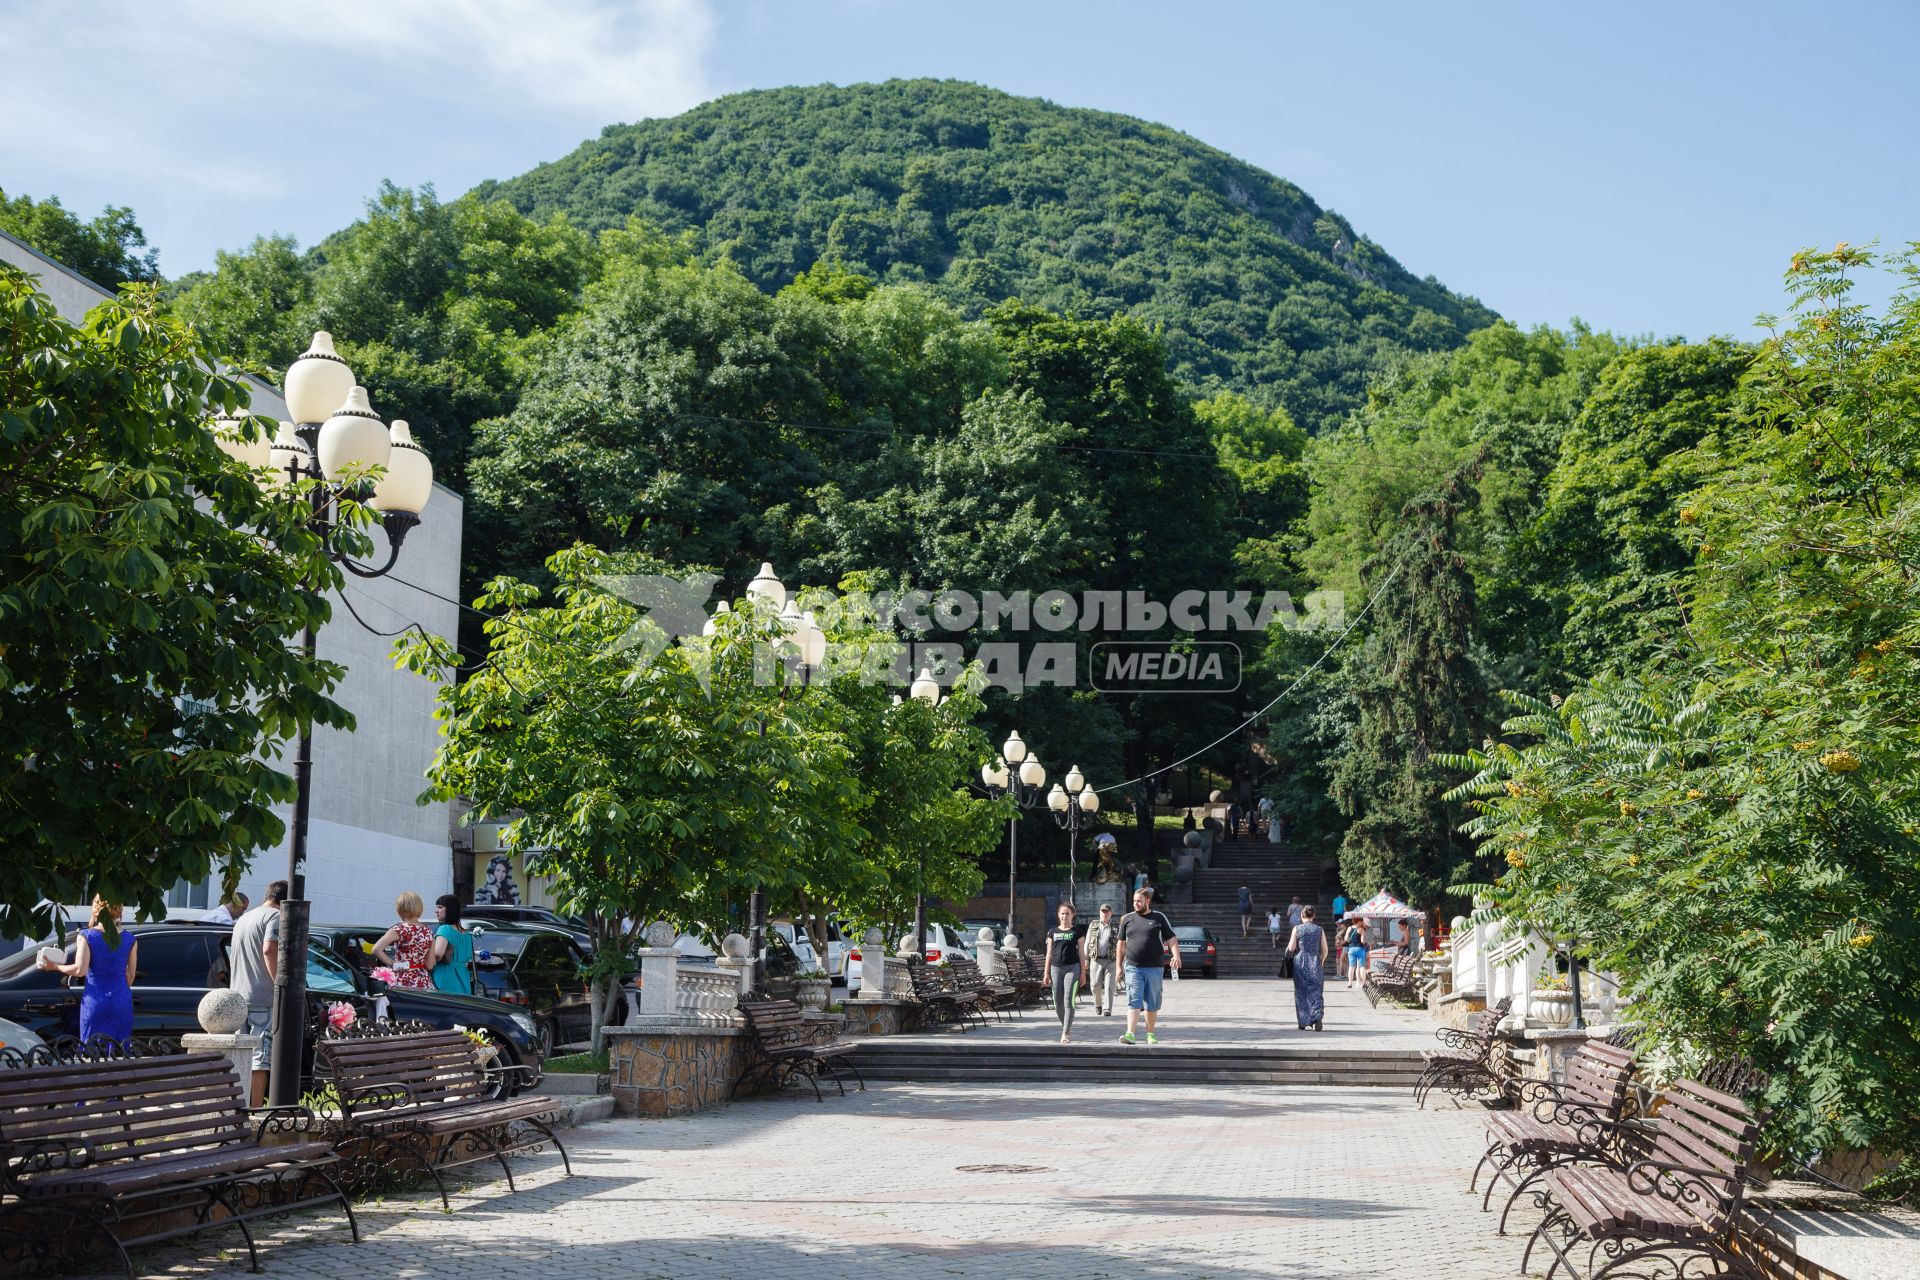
{"x": 988, "y": 196}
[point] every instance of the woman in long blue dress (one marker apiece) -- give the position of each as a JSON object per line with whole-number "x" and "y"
{"x": 1308, "y": 947}
{"x": 106, "y": 1003}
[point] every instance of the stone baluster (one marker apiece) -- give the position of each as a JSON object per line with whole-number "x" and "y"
{"x": 736, "y": 957}
{"x": 989, "y": 960}
{"x": 873, "y": 966}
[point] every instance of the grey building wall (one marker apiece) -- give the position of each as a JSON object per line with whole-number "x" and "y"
{"x": 368, "y": 839}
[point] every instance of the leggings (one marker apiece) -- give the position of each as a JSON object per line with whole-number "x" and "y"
{"x": 1066, "y": 985}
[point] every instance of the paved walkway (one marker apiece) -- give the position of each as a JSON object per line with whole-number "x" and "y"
{"x": 1137, "y": 1182}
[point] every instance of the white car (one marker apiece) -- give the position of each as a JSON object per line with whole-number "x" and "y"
{"x": 942, "y": 940}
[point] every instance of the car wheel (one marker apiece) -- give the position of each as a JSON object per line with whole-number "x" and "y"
{"x": 549, "y": 1037}
{"x": 507, "y": 1083}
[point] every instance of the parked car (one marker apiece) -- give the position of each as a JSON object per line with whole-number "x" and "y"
{"x": 942, "y": 940}
{"x": 574, "y": 925}
{"x": 972, "y": 928}
{"x": 17, "y": 1044}
{"x": 180, "y": 963}
{"x": 1199, "y": 949}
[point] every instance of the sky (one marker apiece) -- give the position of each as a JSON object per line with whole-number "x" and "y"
{"x": 1649, "y": 168}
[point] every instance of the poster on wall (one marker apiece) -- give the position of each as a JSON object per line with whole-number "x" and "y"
{"x": 496, "y": 888}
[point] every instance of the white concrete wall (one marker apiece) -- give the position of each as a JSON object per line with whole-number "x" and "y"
{"x": 368, "y": 840}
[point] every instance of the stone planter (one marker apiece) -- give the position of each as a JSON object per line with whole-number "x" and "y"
{"x": 1554, "y": 1008}
{"x": 813, "y": 994}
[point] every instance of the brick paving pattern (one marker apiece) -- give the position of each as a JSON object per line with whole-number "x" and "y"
{"x": 1137, "y": 1181}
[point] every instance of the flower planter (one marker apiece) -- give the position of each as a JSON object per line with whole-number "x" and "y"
{"x": 1554, "y": 1008}
{"x": 812, "y": 993}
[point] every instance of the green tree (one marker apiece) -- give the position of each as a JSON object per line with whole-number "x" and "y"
{"x": 150, "y": 598}
{"x": 1260, "y": 450}
{"x": 1418, "y": 692}
{"x": 105, "y": 250}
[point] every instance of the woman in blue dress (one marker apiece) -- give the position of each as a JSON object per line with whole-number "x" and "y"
{"x": 106, "y": 1003}
{"x": 1308, "y": 947}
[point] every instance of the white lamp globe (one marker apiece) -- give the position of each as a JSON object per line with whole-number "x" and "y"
{"x": 353, "y": 436}
{"x": 287, "y": 451}
{"x": 1013, "y": 748}
{"x": 812, "y": 641}
{"x": 409, "y": 479}
{"x": 239, "y": 440}
{"x": 1057, "y": 799}
{"x": 318, "y": 382}
{"x": 1090, "y": 801}
{"x": 1076, "y": 781}
{"x": 767, "y": 587}
{"x": 926, "y": 688}
{"x": 994, "y": 774}
{"x": 1032, "y": 774}
{"x": 712, "y": 625}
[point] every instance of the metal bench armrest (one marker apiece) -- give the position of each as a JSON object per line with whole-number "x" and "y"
{"x": 526, "y": 1071}
{"x": 18, "y": 1158}
{"x": 294, "y": 1117}
{"x": 1706, "y": 1192}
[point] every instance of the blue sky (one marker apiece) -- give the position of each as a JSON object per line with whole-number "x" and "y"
{"x": 1647, "y": 167}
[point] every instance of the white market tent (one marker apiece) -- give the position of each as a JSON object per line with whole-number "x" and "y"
{"x": 1383, "y": 906}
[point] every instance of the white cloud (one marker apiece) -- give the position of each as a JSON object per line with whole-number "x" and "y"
{"x": 163, "y": 90}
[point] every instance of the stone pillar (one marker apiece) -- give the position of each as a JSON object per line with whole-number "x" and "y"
{"x": 222, "y": 1013}
{"x": 991, "y": 966}
{"x": 659, "y": 970}
{"x": 873, "y": 966}
{"x": 736, "y": 958}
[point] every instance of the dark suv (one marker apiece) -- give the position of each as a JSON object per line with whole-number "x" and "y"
{"x": 488, "y": 913}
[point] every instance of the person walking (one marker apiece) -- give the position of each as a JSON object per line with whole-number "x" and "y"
{"x": 1339, "y": 907}
{"x": 1308, "y": 947}
{"x": 407, "y": 948}
{"x": 452, "y": 948}
{"x": 1144, "y": 935}
{"x": 230, "y": 910}
{"x": 1273, "y": 927}
{"x": 1062, "y": 969}
{"x": 106, "y": 1002}
{"x": 253, "y": 957}
{"x": 1102, "y": 934}
{"x": 1246, "y": 910}
{"x": 1234, "y": 814}
{"x": 1355, "y": 939}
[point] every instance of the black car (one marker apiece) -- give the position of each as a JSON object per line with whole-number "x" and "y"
{"x": 531, "y": 966}
{"x": 180, "y": 963}
{"x": 490, "y": 913}
{"x": 1198, "y": 950}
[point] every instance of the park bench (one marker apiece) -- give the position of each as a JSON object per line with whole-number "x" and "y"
{"x": 423, "y": 1100}
{"x": 937, "y": 1003}
{"x": 137, "y": 1150}
{"x": 1000, "y": 997}
{"x": 1579, "y": 1119}
{"x": 1677, "y": 1205}
{"x": 786, "y": 1046}
{"x": 1396, "y": 981}
{"x": 1023, "y": 971}
{"x": 1468, "y": 1061}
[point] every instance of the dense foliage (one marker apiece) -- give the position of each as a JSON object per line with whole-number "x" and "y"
{"x": 987, "y": 196}
{"x": 150, "y": 596}
{"x": 105, "y": 250}
{"x": 1734, "y": 830}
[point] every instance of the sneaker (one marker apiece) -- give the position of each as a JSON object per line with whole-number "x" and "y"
{"x": 1126, "y": 1037}
{"x": 1152, "y": 1038}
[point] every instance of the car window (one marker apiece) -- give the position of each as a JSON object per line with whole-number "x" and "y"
{"x": 326, "y": 974}
{"x": 1190, "y": 933}
{"x": 173, "y": 960}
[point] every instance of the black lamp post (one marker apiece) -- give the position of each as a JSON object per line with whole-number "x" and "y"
{"x": 1017, "y": 773}
{"x": 334, "y": 438}
{"x": 1073, "y": 807}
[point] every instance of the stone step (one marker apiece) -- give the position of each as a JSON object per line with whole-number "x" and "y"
{"x": 1105, "y": 1060}
{"x": 1073, "y": 1075}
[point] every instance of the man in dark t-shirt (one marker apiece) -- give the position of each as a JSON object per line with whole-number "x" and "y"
{"x": 1142, "y": 949}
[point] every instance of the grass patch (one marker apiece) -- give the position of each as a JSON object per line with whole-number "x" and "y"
{"x": 582, "y": 1064}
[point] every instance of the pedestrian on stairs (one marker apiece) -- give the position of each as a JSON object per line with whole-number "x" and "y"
{"x": 1273, "y": 927}
{"x": 1102, "y": 936}
{"x": 1234, "y": 814}
{"x": 1246, "y": 910}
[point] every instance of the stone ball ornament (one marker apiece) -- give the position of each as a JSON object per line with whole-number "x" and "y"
{"x": 1192, "y": 840}
{"x": 222, "y": 1011}
{"x": 661, "y": 934}
{"x": 735, "y": 946}
{"x": 873, "y": 937}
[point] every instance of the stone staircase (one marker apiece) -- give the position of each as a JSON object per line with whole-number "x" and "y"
{"x": 957, "y": 1059}
{"x": 1274, "y": 877}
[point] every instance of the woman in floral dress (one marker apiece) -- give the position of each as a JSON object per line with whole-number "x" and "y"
{"x": 1308, "y": 946}
{"x": 407, "y": 948}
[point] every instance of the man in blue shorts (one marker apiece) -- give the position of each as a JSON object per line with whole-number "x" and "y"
{"x": 1142, "y": 948}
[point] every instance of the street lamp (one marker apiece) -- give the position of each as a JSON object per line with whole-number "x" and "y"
{"x": 1017, "y": 773}
{"x": 336, "y": 439}
{"x": 1072, "y": 809}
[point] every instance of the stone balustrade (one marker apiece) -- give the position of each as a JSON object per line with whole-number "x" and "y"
{"x": 700, "y": 990}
